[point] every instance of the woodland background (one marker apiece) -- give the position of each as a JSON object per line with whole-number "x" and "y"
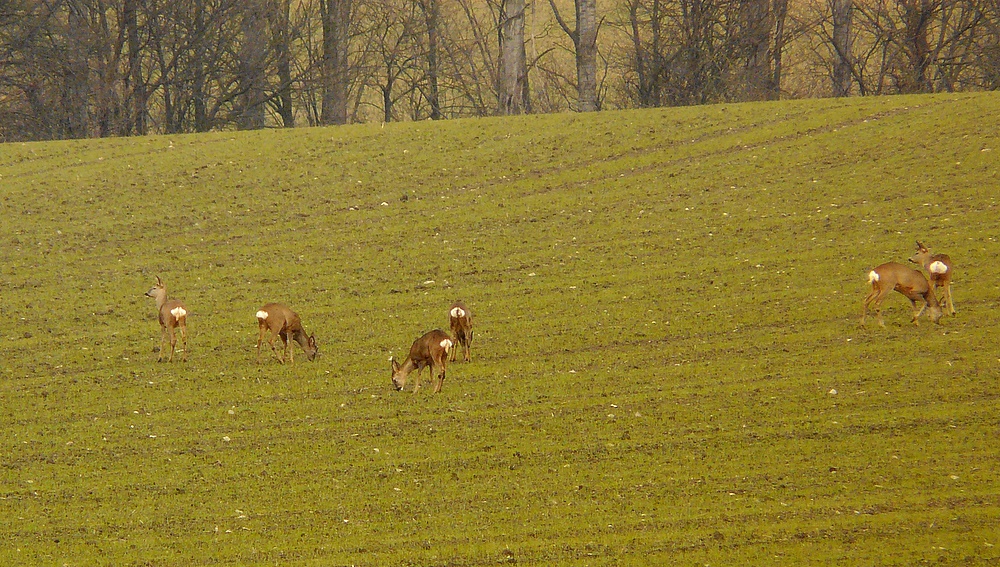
{"x": 98, "y": 68}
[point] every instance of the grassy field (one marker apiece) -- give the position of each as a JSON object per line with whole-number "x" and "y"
{"x": 668, "y": 367}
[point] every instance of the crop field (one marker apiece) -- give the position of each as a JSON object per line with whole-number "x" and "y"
{"x": 668, "y": 366}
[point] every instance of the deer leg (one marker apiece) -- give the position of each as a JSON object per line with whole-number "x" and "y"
{"x": 184, "y": 340}
{"x": 917, "y": 312}
{"x": 284, "y": 346}
{"x": 163, "y": 343}
{"x": 877, "y": 305}
{"x": 416, "y": 379}
{"x": 440, "y": 380}
{"x": 260, "y": 340}
{"x": 883, "y": 293}
{"x": 173, "y": 342}
{"x": 946, "y": 294}
{"x": 468, "y": 347}
{"x": 270, "y": 341}
{"x": 868, "y": 303}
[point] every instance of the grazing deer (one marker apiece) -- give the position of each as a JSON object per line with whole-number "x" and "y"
{"x": 173, "y": 315}
{"x": 907, "y": 281}
{"x": 938, "y": 268}
{"x": 461, "y": 329}
{"x": 429, "y": 350}
{"x": 285, "y": 323}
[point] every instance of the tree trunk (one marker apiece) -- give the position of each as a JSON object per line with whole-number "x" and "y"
{"x": 135, "y": 83}
{"x": 76, "y": 90}
{"x": 513, "y": 81}
{"x": 842, "y": 63}
{"x": 753, "y": 79}
{"x": 431, "y": 13}
{"x": 282, "y": 40}
{"x": 198, "y": 65}
{"x": 336, "y": 15}
{"x": 780, "y": 12}
{"x": 586, "y": 55}
{"x": 917, "y": 16}
{"x": 252, "y": 71}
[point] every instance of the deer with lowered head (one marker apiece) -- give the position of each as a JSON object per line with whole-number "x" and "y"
{"x": 461, "y": 328}
{"x": 907, "y": 281}
{"x": 285, "y": 323}
{"x": 430, "y": 350}
{"x": 938, "y": 268}
{"x": 173, "y": 315}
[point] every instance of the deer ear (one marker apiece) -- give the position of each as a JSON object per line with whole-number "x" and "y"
{"x": 393, "y": 364}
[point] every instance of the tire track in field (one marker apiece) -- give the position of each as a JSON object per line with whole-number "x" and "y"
{"x": 734, "y": 148}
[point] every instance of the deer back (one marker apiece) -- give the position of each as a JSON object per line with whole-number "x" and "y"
{"x": 170, "y": 311}
{"x": 430, "y": 347}
{"x": 937, "y": 265}
{"x": 459, "y": 317}
{"x": 278, "y": 317}
{"x": 906, "y": 280}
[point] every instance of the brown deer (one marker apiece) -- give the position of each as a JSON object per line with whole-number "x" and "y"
{"x": 461, "y": 328}
{"x": 938, "y": 268}
{"x": 285, "y": 323}
{"x": 907, "y": 281}
{"x": 173, "y": 315}
{"x": 429, "y": 350}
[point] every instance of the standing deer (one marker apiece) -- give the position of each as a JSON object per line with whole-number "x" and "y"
{"x": 938, "y": 268}
{"x": 429, "y": 350}
{"x": 461, "y": 328}
{"x": 173, "y": 315}
{"x": 285, "y": 323}
{"x": 907, "y": 281}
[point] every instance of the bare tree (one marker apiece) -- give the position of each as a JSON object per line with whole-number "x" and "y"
{"x": 916, "y": 19}
{"x": 911, "y": 46}
{"x": 253, "y": 55}
{"x": 135, "y": 83}
{"x": 392, "y": 52}
{"x": 473, "y": 60}
{"x": 432, "y": 17}
{"x": 513, "y": 95}
{"x": 841, "y": 43}
{"x": 584, "y": 37}
{"x": 283, "y": 35}
{"x": 336, "y": 18}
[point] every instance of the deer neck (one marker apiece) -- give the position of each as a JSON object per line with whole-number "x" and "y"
{"x": 300, "y": 336}
{"x": 161, "y": 298}
{"x": 406, "y": 368}
{"x": 931, "y": 298}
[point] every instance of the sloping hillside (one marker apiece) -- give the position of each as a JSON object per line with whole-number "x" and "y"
{"x": 668, "y": 366}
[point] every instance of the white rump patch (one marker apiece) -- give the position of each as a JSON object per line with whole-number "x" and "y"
{"x": 262, "y": 314}
{"x": 873, "y": 276}
{"x": 457, "y": 312}
{"x": 938, "y": 267}
{"x": 446, "y": 344}
{"x": 178, "y": 312}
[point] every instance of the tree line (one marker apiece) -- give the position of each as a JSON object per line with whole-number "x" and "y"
{"x": 95, "y": 68}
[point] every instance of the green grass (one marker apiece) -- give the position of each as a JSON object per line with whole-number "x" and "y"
{"x": 664, "y": 301}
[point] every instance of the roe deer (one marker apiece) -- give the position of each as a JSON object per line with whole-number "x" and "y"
{"x": 284, "y": 323}
{"x": 907, "y": 281}
{"x": 173, "y": 315}
{"x": 461, "y": 329}
{"x": 938, "y": 268}
{"x": 429, "y": 350}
